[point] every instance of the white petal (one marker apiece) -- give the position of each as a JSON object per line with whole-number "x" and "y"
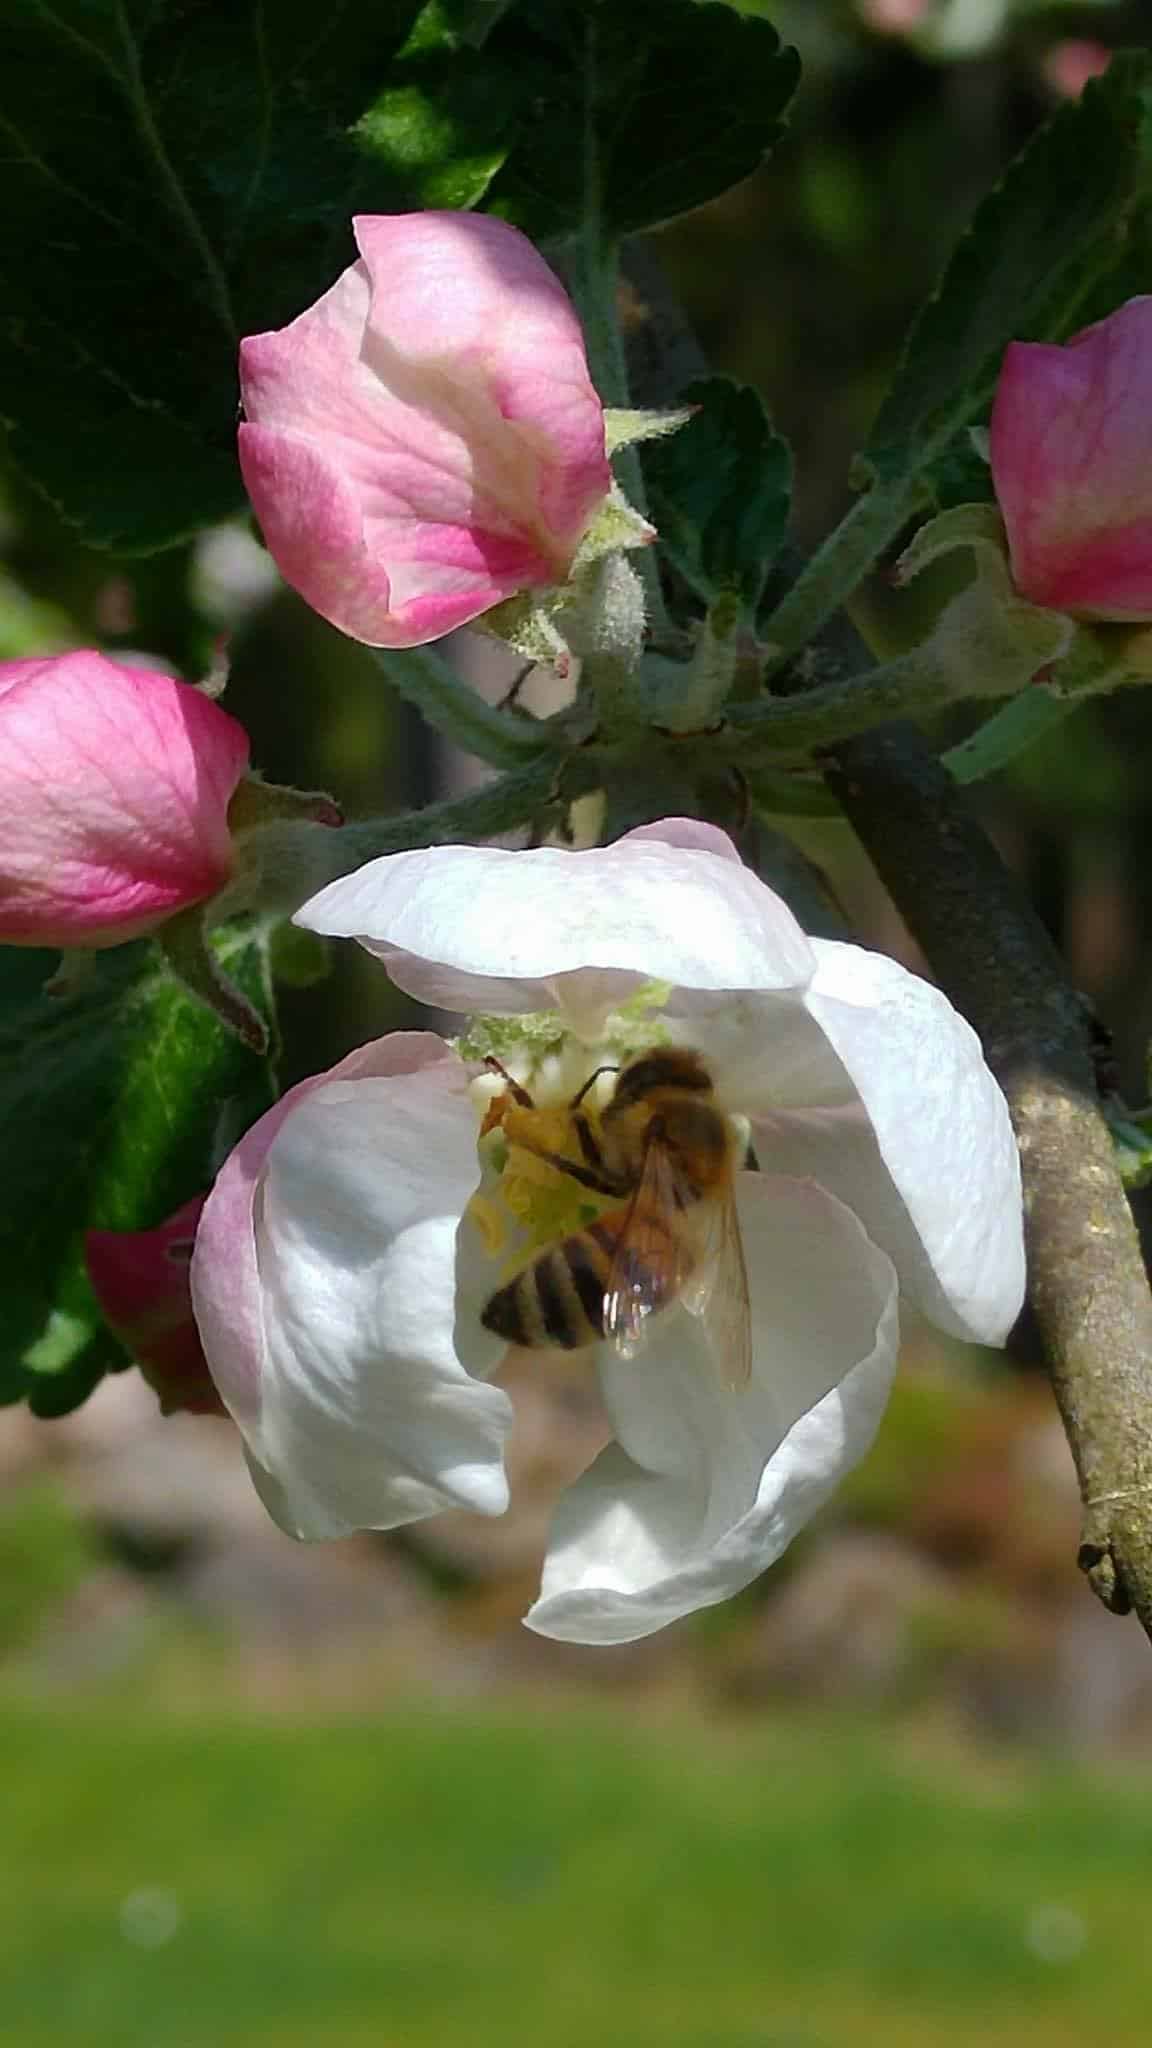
{"x": 707, "y": 1485}
{"x": 367, "y": 1417}
{"x": 479, "y": 1272}
{"x": 764, "y": 1052}
{"x": 925, "y": 1155}
{"x": 485, "y": 928}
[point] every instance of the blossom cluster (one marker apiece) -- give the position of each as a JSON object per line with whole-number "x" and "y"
{"x": 422, "y": 444}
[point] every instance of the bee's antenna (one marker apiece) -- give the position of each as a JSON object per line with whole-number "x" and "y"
{"x": 519, "y": 1094}
{"x": 611, "y": 1068}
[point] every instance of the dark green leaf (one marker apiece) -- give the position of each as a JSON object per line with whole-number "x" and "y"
{"x": 961, "y": 474}
{"x": 179, "y": 173}
{"x": 182, "y": 172}
{"x": 643, "y": 108}
{"x": 117, "y": 1098}
{"x": 462, "y": 22}
{"x": 721, "y": 488}
{"x": 1026, "y": 266}
{"x": 1128, "y": 270}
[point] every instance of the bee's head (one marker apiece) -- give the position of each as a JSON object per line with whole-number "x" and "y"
{"x": 665, "y": 1070}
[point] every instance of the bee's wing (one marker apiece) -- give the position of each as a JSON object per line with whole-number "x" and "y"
{"x": 651, "y": 1258}
{"x": 717, "y": 1291}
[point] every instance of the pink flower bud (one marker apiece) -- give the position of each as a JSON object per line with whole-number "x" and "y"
{"x": 114, "y": 790}
{"x": 140, "y": 1279}
{"x": 425, "y": 440}
{"x": 1071, "y": 448}
{"x": 893, "y": 17}
{"x": 1067, "y": 66}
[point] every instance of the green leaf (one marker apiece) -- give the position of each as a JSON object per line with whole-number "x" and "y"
{"x": 462, "y": 22}
{"x": 444, "y": 121}
{"x": 962, "y": 474}
{"x": 182, "y": 172}
{"x": 636, "y": 109}
{"x": 721, "y": 489}
{"x": 1025, "y": 267}
{"x": 1127, "y": 273}
{"x": 179, "y": 173}
{"x": 118, "y": 1096}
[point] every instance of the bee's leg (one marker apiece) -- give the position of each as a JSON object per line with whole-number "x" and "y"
{"x": 593, "y": 1175}
{"x": 591, "y": 1148}
{"x": 589, "y": 1143}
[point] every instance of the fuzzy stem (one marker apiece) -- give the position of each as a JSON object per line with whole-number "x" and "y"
{"x": 457, "y": 710}
{"x": 290, "y": 861}
{"x": 835, "y": 710}
{"x": 841, "y": 564}
{"x": 515, "y": 799}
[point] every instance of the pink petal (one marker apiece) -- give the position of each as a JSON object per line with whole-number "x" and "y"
{"x": 140, "y": 1279}
{"x": 1071, "y": 447}
{"x": 425, "y": 440}
{"x": 1068, "y": 65}
{"x": 115, "y": 784}
{"x": 692, "y": 835}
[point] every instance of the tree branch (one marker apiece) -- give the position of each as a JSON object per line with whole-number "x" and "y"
{"x": 1087, "y": 1282}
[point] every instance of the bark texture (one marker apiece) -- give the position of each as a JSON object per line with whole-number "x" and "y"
{"x": 1087, "y": 1279}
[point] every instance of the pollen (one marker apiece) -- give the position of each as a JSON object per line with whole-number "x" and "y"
{"x": 528, "y": 1202}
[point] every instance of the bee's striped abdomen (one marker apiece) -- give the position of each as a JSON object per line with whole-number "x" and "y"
{"x": 559, "y": 1300}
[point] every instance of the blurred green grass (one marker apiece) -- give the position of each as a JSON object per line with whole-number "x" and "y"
{"x": 451, "y": 1876}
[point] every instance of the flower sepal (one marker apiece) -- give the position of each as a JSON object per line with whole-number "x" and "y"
{"x": 1104, "y": 657}
{"x": 615, "y": 526}
{"x": 624, "y": 426}
{"x": 188, "y": 954}
{"x": 689, "y": 696}
{"x": 988, "y": 641}
{"x": 1004, "y": 632}
{"x": 600, "y": 606}
{"x": 257, "y": 803}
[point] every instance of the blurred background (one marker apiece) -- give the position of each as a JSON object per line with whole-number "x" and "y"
{"x": 901, "y": 1791}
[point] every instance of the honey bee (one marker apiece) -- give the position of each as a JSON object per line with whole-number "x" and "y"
{"x": 666, "y": 1153}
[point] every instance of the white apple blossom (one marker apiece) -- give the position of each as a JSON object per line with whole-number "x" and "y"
{"x": 348, "y": 1249}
